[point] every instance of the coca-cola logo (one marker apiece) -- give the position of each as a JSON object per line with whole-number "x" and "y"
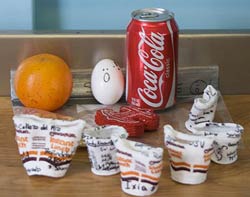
{"x": 151, "y": 92}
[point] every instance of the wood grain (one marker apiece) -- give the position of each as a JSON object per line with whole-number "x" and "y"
{"x": 223, "y": 180}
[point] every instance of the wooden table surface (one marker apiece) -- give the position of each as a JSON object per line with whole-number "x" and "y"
{"x": 223, "y": 180}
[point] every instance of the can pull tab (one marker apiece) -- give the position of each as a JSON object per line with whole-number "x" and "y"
{"x": 146, "y": 15}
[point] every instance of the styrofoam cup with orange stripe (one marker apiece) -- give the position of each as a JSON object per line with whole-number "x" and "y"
{"x": 140, "y": 166}
{"x": 189, "y": 155}
{"x": 46, "y": 143}
{"x": 101, "y": 149}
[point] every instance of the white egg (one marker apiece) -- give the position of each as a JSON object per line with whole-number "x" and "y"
{"x": 107, "y": 82}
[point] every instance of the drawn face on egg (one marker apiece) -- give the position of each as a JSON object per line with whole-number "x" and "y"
{"x": 108, "y": 70}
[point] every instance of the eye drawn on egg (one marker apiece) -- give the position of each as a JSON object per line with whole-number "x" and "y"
{"x": 116, "y": 66}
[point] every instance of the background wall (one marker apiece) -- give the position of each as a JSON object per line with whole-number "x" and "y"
{"x": 16, "y": 15}
{"x": 112, "y": 15}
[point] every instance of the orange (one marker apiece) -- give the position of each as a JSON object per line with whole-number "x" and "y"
{"x": 43, "y": 81}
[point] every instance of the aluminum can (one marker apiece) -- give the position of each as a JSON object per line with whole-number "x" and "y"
{"x": 152, "y": 54}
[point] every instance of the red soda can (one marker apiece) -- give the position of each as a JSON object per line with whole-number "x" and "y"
{"x": 152, "y": 54}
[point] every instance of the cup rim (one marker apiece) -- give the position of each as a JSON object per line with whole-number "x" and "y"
{"x": 115, "y": 131}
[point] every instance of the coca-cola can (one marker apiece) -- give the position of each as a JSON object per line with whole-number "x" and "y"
{"x": 152, "y": 54}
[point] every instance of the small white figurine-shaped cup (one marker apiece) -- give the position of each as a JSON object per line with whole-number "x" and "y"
{"x": 226, "y": 140}
{"x": 47, "y": 145}
{"x": 189, "y": 155}
{"x": 203, "y": 109}
{"x": 140, "y": 166}
{"x": 101, "y": 150}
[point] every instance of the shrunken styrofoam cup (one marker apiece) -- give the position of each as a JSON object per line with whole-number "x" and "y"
{"x": 140, "y": 166}
{"x": 190, "y": 155}
{"x": 47, "y": 145}
{"x": 226, "y": 140}
{"x": 101, "y": 150}
{"x": 203, "y": 109}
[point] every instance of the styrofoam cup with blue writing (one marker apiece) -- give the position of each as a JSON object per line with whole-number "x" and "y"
{"x": 226, "y": 140}
{"x": 101, "y": 150}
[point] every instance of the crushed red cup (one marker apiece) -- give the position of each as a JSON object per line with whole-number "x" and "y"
{"x": 147, "y": 116}
{"x": 108, "y": 116}
{"x": 134, "y": 120}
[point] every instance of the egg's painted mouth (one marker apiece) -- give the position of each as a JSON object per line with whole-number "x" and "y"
{"x": 106, "y": 77}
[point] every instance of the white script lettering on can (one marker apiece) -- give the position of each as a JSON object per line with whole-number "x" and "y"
{"x": 153, "y": 63}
